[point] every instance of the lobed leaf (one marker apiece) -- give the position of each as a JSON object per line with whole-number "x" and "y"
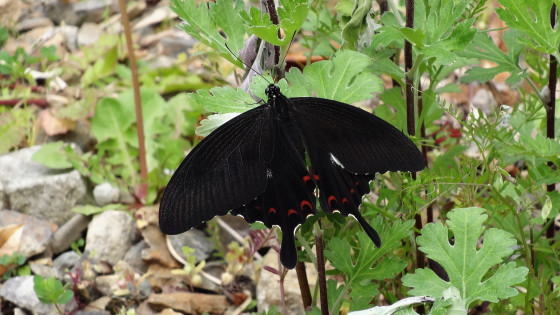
{"x": 467, "y": 266}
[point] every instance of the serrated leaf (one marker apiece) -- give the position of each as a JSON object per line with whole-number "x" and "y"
{"x": 359, "y": 270}
{"x": 224, "y": 100}
{"x": 465, "y": 264}
{"x": 532, "y": 18}
{"x": 483, "y": 47}
{"x": 212, "y": 123}
{"x": 204, "y": 22}
{"x": 341, "y": 79}
{"x": 291, "y": 14}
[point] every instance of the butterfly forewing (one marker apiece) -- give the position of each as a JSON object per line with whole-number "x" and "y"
{"x": 224, "y": 171}
{"x": 360, "y": 141}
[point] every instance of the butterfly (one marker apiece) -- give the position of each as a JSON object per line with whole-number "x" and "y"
{"x": 254, "y": 165}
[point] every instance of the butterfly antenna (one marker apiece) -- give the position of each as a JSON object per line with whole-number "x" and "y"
{"x": 246, "y": 65}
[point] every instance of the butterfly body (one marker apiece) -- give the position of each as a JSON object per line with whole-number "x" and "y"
{"x": 255, "y": 166}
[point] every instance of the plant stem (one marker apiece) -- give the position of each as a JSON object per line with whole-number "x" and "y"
{"x": 321, "y": 270}
{"x": 141, "y": 190}
{"x": 303, "y": 284}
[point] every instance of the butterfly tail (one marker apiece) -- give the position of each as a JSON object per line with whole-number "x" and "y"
{"x": 288, "y": 252}
{"x": 367, "y": 228}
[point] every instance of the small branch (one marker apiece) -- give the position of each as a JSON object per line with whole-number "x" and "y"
{"x": 32, "y": 101}
{"x": 321, "y": 274}
{"x": 141, "y": 191}
{"x": 303, "y": 284}
{"x": 271, "y": 8}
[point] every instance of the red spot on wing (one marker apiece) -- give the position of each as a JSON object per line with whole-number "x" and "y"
{"x": 316, "y": 177}
{"x": 271, "y": 211}
{"x": 357, "y": 184}
{"x": 344, "y": 200}
{"x": 306, "y": 178}
{"x": 291, "y": 211}
{"x": 305, "y": 203}
{"x": 331, "y": 198}
{"x": 352, "y": 190}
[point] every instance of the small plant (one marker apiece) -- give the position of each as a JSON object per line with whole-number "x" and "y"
{"x": 191, "y": 269}
{"x": 14, "y": 265}
{"x": 51, "y": 291}
{"x": 77, "y": 245}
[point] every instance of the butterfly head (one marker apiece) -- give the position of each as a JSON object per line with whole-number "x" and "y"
{"x": 272, "y": 91}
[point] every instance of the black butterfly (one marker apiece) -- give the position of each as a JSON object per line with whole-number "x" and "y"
{"x": 254, "y": 165}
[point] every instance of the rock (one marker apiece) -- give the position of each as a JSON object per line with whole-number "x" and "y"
{"x": 89, "y": 33}
{"x": 43, "y": 270}
{"x": 190, "y": 303}
{"x": 70, "y": 33}
{"x": 176, "y": 43}
{"x": 195, "y": 239}
{"x": 70, "y": 232}
{"x": 134, "y": 257}
{"x": 19, "y": 290}
{"x": 2, "y": 196}
{"x": 110, "y": 235}
{"x": 95, "y": 10}
{"x": 36, "y": 234}
{"x": 96, "y": 306}
{"x": 268, "y": 287}
{"x": 107, "y": 284}
{"x": 158, "y": 252}
{"x": 10, "y": 11}
{"x": 30, "y": 23}
{"x": 105, "y": 194}
{"x": 484, "y": 101}
{"x": 156, "y": 16}
{"x": 65, "y": 262}
{"x": 34, "y": 189}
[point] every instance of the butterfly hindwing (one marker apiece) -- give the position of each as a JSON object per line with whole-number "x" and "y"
{"x": 347, "y": 146}
{"x": 288, "y": 198}
{"x": 224, "y": 171}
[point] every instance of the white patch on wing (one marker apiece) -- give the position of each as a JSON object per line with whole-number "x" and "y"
{"x": 335, "y": 160}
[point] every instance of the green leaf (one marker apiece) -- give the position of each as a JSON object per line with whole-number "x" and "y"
{"x": 53, "y": 155}
{"x": 102, "y": 68}
{"x": 483, "y": 47}
{"x": 467, "y": 266}
{"x": 355, "y": 19}
{"x": 359, "y": 270}
{"x": 51, "y": 291}
{"x": 14, "y": 125}
{"x": 91, "y": 209}
{"x": 223, "y": 100}
{"x": 341, "y": 79}
{"x": 291, "y": 15}
{"x": 212, "y": 123}
{"x": 532, "y": 18}
{"x": 205, "y": 21}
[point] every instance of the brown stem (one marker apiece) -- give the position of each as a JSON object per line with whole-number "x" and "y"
{"x": 274, "y": 19}
{"x": 142, "y": 188}
{"x": 321, "y": 274}
{"x": 303, "y": 285}
{"x": 32, "y": 101}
